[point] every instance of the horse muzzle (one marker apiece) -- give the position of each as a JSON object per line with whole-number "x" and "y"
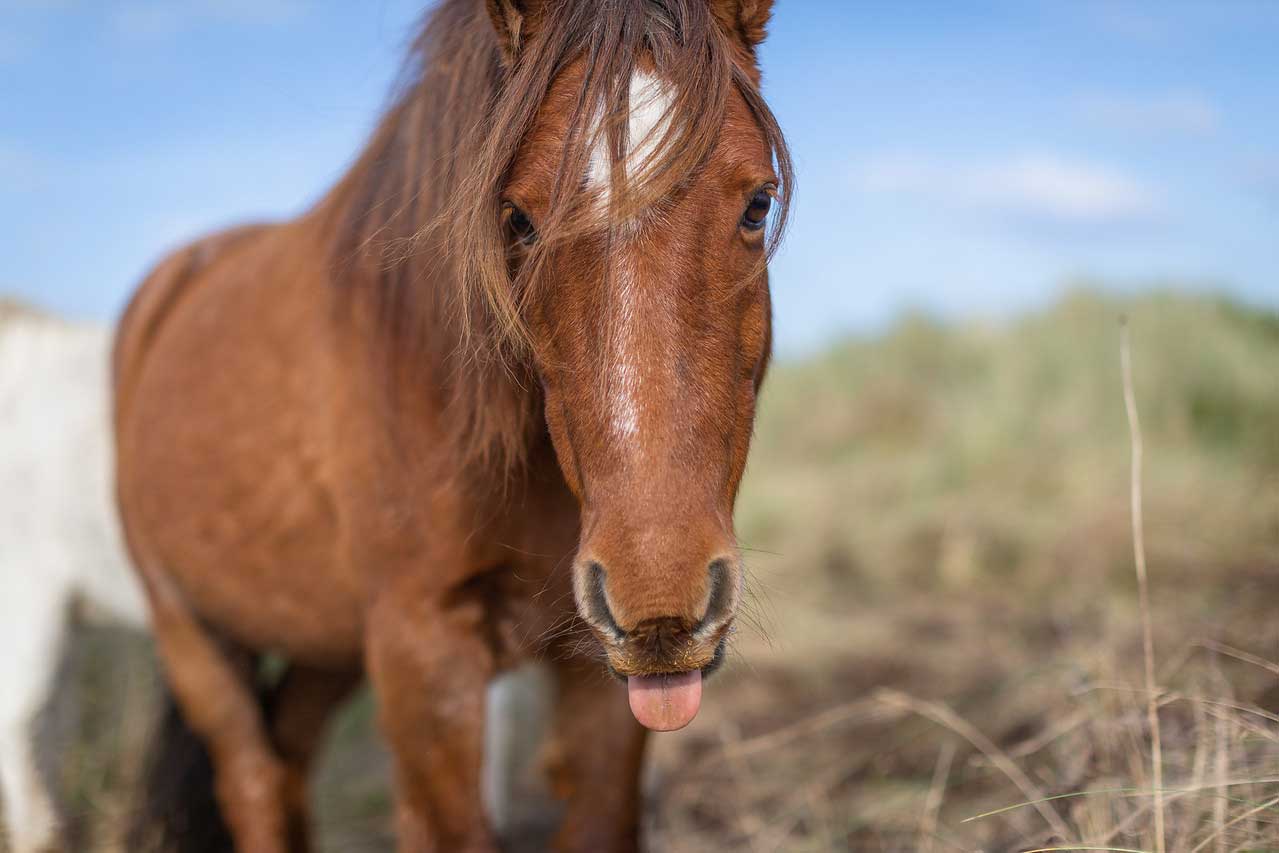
{"x": 664, "y": 660}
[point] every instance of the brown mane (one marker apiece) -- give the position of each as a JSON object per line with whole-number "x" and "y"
{"x": 418, "y": 217}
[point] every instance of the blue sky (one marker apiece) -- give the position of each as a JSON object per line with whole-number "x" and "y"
{"x": 963, "y": 158}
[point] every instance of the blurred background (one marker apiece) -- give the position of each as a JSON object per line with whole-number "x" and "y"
{"x": 945, "y": 615}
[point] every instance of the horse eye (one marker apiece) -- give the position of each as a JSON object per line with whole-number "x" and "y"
{"x": 757, "y": 211}
{"x": 520, "y": 224}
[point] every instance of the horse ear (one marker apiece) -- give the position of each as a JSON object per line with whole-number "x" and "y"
{"x": 745, "y": 19}
{"x": 513, "y": 20}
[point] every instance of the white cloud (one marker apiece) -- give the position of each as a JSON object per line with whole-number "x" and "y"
{"x": 1041, "y": 186}
{"x": 149, "y": 19}
{"x": 1189, "y": 113}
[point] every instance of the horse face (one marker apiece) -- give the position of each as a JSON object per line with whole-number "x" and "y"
{"x": 651, "y": 339}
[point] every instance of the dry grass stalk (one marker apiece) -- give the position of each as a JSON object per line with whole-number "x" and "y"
{"x": 1239, "y": 654}
{"x": 1219, "y": 833}
{"x": 1222, "y": 768}
{"x": 1077, "y": 847}
{"x": 936, "y": 791}
{"x": 857, "y": 710}
{"x": 944, "y": 716}
{"x": 1143, "y": 587}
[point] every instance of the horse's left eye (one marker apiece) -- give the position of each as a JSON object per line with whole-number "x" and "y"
{"x": 756, "y": 214}
{"x": 520, "y": 224}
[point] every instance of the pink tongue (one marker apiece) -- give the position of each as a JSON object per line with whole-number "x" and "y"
{"x": 665, "y": 703}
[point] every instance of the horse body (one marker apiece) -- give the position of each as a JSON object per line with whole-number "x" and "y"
{"x": 317, "y": 506}
{"x": 246, "y": 357}
{"x": 518, "y": 440}
{"x": 59, "y": 536}
{"x": 317, "y": 502}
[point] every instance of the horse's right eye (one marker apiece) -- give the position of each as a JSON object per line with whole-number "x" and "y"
{"x": 756, "y": 214}
{"x": 520, "y": 224}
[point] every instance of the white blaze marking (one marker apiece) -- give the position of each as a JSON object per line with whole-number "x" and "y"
{"x": 650, "y": 102}
{"x": 624, "y": 381}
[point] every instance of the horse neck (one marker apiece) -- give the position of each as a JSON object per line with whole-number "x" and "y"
{"x": 423, "y": 376}
{"x": 393, "y": 274}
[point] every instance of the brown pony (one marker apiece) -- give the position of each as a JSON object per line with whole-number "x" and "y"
{"x": 509, "y": 363}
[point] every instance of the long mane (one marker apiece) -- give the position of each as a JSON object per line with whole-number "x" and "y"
{"x": 418, "y": 221}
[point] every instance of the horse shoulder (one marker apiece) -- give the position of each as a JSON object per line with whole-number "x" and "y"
{"x": 159, "y": 294}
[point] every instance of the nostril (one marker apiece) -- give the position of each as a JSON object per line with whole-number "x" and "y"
{"x": 597, "y": 602}
{"x": 719, "y": 605}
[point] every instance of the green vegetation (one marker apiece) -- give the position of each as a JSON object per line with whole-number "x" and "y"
{"x": 1016, "y": 439}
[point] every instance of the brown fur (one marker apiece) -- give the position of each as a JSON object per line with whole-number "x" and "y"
{"x": 389, "y": 437}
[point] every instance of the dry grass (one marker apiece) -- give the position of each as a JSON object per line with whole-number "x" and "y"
{"x": 951, "y": 652}
{"x": 951, "y": 513}
{"x": 1143, "y": 590}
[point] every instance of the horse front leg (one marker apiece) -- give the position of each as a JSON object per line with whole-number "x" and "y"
{"x": 299, "y": 711}
{"x": 594, "y": 759}
{"x": 212, "y": 683}
{"x": 429, "y": 665}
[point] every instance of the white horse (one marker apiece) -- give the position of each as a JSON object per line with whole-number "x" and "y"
{"x": 60, "y": 541}
{"x": 59, "y": 536}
